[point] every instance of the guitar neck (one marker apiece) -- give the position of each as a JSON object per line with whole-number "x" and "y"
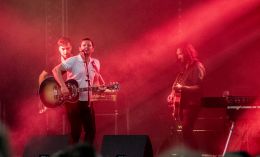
{"x": 99, "y": 88}
{"x": 87, "y": 89}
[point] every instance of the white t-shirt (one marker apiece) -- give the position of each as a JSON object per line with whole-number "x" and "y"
{"x": 77, "y": 70}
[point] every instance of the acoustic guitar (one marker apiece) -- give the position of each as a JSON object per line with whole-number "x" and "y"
{"x": 51, "y": 96}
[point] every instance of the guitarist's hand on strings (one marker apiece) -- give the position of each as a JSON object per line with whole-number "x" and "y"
{"x": 177, "y": 88}
{"x": 64, "y": 90}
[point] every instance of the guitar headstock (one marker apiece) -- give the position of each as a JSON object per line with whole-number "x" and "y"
{"x": 113, "y": 86}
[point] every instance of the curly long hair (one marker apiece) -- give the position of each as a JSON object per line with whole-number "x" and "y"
{"x": 189, "y": 52}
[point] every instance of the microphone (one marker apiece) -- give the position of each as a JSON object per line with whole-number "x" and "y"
{"x": 84, "y": 51}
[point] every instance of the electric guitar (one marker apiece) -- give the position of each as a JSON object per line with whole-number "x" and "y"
{"x": 175, "y": 101}
{"x": 51, "y": 96}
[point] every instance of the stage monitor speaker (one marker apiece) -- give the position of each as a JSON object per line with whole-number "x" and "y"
{"x": 45, "y": 146}
{"x": 126, "y": 146}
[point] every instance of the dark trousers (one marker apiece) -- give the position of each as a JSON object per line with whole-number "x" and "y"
{"x": 81, "y": 115}
{"x": 190, "y": 114}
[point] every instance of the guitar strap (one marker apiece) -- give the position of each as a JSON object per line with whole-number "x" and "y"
{"x": 182, "y": 76}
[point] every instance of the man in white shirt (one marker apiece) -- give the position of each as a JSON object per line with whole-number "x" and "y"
{"x": 85, "y": 70}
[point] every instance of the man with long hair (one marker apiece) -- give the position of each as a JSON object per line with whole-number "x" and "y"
{"x": 188, "y": 85}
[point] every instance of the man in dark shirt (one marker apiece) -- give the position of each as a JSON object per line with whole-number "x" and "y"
{"x": 189, "y": 86}
{"x": 65, "y": 48}
{"x": 55, "y": 118}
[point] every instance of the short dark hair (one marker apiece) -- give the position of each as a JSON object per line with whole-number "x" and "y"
{"x": 63, "y": 41}
{"x": 87, "y": 39}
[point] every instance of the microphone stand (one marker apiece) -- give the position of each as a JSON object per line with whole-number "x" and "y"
{"x": 88, "y": 80}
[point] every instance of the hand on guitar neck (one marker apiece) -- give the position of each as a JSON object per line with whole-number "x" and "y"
{"x": 64, "y": 90}
{"x": 177, "y": 87}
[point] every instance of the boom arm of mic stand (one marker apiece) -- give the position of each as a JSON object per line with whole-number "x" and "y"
{"x": 101, "y": 79}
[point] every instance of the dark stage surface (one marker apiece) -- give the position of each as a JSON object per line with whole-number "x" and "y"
{"x": 135, "y": 42}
